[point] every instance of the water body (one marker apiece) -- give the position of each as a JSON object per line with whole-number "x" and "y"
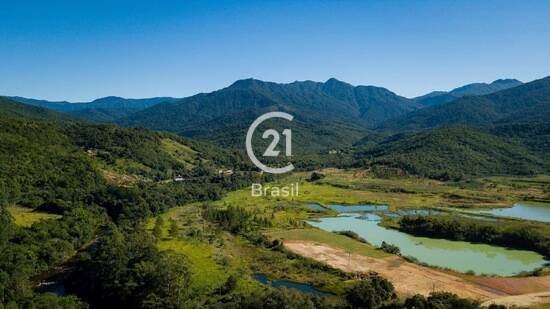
{"x": 357, "y": 208}
{"x": 302, "y": 287}
{"x": 423, "y": 212}
{"x": 56, "y": 287}
{"x": 456, "y": 255}
{"x": 520, "y": 211}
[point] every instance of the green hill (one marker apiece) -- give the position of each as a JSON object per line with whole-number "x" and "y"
{"x": 11, "y": 109}
{"x": 451, "y": 153}
{"x": 529, "y": 102}
{"x": 44, "y": 162}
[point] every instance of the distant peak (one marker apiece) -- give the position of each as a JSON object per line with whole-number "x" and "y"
{"x": 506, "y": 81}
{"x": 335, "y": 81}
{"x": 247, "y": 82}
{"x": 108, "y": 98}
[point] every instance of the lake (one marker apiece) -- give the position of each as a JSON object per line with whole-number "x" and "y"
{"x": 520, "y": 211}
{"x": 456, "y": 255}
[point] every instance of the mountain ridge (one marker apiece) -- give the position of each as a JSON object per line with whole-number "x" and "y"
{"x": 524, "y": 103}
{"x": 440, "y": 97}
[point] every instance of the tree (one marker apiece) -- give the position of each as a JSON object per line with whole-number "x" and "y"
{"x": 173, "y": 228}
{"x": 316, "y": 176}
{"x": 157, "y": 230}
{"x": 417, "y": 302}
{"x": 370, "y": 293}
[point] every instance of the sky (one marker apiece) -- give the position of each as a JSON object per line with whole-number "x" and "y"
{"x": 82, "y": 50}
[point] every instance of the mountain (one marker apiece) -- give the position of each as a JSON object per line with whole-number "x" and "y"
{"x": 11, "y": 109}
{"x": 104, "y": 115}
{"x": 452, "y": 153}
{"x": 526, "y": 103}
{"x": 45, "y": 158}
{"x": 327, "y": 113}
{"x": 440, "y": 97}
{"x": 105, "y": 109}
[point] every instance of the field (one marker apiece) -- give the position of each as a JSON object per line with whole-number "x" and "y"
{"x": 334, "y": 240}
{"x": 26, "y": 216}
{"x": 216, "y": 254}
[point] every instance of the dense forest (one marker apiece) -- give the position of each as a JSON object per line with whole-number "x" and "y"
{"x": 453, "y": 153}
{"x": 100, "y": 179}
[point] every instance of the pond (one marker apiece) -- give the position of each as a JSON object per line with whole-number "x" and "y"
{"x": 520, "y": 211}
{"x": 357, "y": 208}
{"x": 456, "y": 255}
{"x": 382, "y": 209}
{"x": 56, "y": 287}
{"x": 302, "y": 287}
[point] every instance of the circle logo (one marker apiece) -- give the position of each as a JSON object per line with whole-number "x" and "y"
{"x": 270, "y": 151}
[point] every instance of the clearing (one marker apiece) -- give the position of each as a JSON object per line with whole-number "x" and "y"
{"x": 410, "y": 279}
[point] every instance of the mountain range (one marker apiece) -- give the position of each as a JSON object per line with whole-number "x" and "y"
{"x": 440, "y": 97}
{"x": 360, "y": 105}
{"x": 526, "y": 103}
{"x": 105, "y": 109}
{"x": 498, "y": 128}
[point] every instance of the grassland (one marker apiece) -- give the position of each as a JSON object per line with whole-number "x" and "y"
{"x": 26, "y": 216}
{"x": 415, "y": 192}
{"x": 215, "y": 255}
{"x": 179, "y": 152}
{"x": 331, "y": 239}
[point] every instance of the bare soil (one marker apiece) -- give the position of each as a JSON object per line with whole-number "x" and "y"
{"x": 409, "y": 278}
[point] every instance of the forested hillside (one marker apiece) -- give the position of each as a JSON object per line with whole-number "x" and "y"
{"x": 46, "y": 161}
{"x": 105, "y": 109}
{"x": 527, "y": 103}
{"x": 440, "y": 97}
{"x": 330, "y": 113}
{"x": 453, "y": 153}
{"x": 91, "y": 176}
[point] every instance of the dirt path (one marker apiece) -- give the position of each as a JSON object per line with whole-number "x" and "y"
{"x": 410, "y": 279}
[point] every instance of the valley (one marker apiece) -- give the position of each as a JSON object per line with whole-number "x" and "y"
{"x": 455, "y": 212}
{"x": 242, "y": 252}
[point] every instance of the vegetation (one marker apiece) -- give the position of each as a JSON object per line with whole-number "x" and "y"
{"x": 101, "y": 205}
{"x": 484, "y": 111}
{"x": 26, "y": 216}
{"x": 28, "y": 252}
{"x": 453, "y": 154}
{"x": 316, "y": 176}
{"x": 389, "y": 248}
{"x": 519, "y": 234}
{"x": 352, "y": 235}
{"x": 370, "y": 293}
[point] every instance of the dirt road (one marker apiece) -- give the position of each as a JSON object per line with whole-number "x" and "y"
{"x": 410, "y": 279}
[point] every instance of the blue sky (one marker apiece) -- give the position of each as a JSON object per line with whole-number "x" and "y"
{"x": 81, "y": 50}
